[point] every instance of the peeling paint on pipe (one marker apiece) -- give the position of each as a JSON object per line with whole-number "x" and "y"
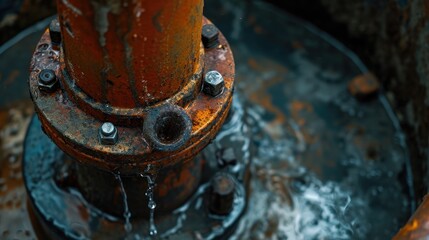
{"x": 163, "y": 38}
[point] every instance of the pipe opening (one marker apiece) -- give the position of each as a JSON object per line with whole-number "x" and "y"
{"x": 170, "y": 127}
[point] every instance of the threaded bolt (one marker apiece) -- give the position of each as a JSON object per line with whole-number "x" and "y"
{"x": 222, "y": 193}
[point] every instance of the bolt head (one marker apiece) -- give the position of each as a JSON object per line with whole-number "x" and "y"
{"x": 55, "y": 31}
{"x": 108, "y": 134}
{"x": 48, "y": 81}
{"x": 210, "y": 36}
{"x": 213, "y": 83}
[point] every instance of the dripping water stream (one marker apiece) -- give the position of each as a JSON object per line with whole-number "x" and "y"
{"x": 151, "y": 204}
{"x": 127, "y": 214}
{"x": 150, "y": 177}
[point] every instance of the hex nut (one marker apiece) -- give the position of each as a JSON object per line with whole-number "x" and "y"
{"x": 47, "y": 80}
{"x": 55, "y": 32}
{"x": 213, "y": 83}
{"x": 108, "y": 134}
{"x": 210, "y": 36}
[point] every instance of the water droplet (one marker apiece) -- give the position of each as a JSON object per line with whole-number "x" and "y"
{"x": 153, "y": 231}
{"x": 151, "y": 205}
{"x": 127, "y": 214}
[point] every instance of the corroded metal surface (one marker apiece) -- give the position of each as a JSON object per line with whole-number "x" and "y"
{"x": 136, "y": 53}
{"x": 145, "y": 77}
{"x": 418, "y": 225}
{"x": 295, "y": 126}
{"x": 65, "y": 214}
{"x": 207, "y": 114}
{"x": 76, "y": 133}
{"x": 175, "y": 184}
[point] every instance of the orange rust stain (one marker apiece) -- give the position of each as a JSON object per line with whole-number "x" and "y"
{"x": 273, "y": 227}
{"x": 175, "y": 180}
{"x": 270, "y": 64}
{"x": 117, "y": 193}
{"x": 309, "y": 138}
{"x": 253, "y": 63}
{"x": 297, "y": 107}
{"x": 165, "y": 39}
{"x": 418, "y": 226}
{"x": 258, "y": 29}
{"x": 280, "y": 188}
{"x": 201, "y": 117}
{"x": 83, "y": 212}
{"x": 12, "y": 77}
{"x": 413, "y": 225}
{"x": 262, "y": 97}
{"x": 251, "y": 20}
{"x": 297, "y": 45}
{"x": 364, "y": 85}
{"x": 299, "y": 113}
{"x": 4, "y": 116}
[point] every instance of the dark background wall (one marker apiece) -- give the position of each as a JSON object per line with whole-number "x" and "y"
{"x": 15, "y": 15}
{"x": 391, "y": 36}
{"x": 398, "y": 33}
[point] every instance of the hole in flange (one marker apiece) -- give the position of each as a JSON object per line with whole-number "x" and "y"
{"x": 169, "y": 127}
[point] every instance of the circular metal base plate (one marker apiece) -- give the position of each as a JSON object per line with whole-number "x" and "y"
{"x": 64, "y": 213}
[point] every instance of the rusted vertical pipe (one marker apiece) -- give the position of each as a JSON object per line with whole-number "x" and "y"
{"x": 130, "y": 53}
{"x": 138, "y": 64}
{"x": 417, "y": 226}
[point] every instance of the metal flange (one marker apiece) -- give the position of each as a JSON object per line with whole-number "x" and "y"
{"x": 75, "y": 131}
{"x": 168, "y": 137}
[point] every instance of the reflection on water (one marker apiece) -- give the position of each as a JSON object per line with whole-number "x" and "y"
{"x": 291, "y": 198}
